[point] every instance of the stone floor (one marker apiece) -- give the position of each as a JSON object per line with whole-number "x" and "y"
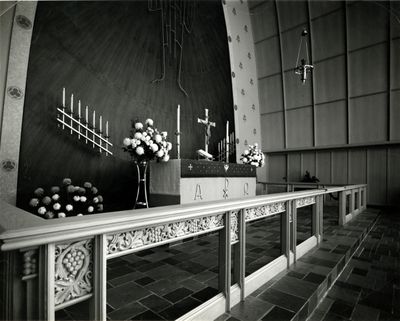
{"x": 166, "y": 282}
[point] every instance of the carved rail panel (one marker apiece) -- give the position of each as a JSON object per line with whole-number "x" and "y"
{"x": 234, "y": 227}
{"x": 301, "y": 202}
{"x": 125, "y": 241}
{"x": 73, "y": 271}
{"x": 264, "y": 211}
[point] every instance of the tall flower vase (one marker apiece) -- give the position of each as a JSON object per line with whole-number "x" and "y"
{"x": 141, "y": 194}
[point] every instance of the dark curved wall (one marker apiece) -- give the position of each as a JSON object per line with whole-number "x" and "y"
{"x": 107, "y": 53}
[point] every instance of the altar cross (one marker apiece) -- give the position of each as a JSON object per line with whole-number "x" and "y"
{"x": 208, "y": 124}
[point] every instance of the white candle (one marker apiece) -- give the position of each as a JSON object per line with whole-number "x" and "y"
{"x": 227, "y": 141}
{"x": 94, "y": 124}
{"x": 100, "y": 123}
{"x": 107, "y": 128}
{"x": 87, "y": 122}
{"x": 79, "y": 119}
{"x": 63, "y": 104}
{"x": 178, "y": 117}
{"x": 100, "y": 120}
{"x": 178, "y": 132}
{"x": 63, "y": 98}
{"x": 72, "y": 109}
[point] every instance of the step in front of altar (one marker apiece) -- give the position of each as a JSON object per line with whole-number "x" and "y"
{"x": 184, "y": 181}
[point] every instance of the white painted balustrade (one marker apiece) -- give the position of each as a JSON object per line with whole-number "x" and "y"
{"x": 53, "y": 264}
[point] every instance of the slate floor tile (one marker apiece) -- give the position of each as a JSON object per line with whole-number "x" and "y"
{"x": 148, "y": 315}
{"x": 124, "y": 294}
{"x": 205, "y": 294}
{"x": 177, "y": 310}
{"x": 155, "y": 303}
{"x": 314, "y": 278}
{"x": 177, "y": 295}
{"x": 364, "y": 313}
{"x": 278, "y": 313}
{"x": 144, "y": 281}
{"x": 127, "y": 311}
{"x": 283, "y": 300}
{"x": 342, "y": 309}
{"x": 295, "y": 287}
{"x": 251, "y": 309}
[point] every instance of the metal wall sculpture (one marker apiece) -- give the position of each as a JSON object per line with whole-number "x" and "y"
{"x": 176, "y": 18}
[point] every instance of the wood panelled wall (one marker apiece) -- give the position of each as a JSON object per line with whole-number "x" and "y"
{"x": 351, "y": 101}
{"x": 107, "y": 53}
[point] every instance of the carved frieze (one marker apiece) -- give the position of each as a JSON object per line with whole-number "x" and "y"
{"x": 234, "y": 227}
{"x": 73, "y": 271}
{"x": 301, "y": 202}
{"x": 264, "y": 211}
{"x": 124, "y": 241}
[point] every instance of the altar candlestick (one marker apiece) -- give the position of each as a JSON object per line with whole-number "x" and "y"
{"x": 87, "y": 122}
{"x": 63, "y": 105}
{"x": 94, "y": 124}
{"x": 79, "y": 119}
{"x": 72, "y": 110}
{"x": 178, "y": 132}
{"x": 227, "y": 141}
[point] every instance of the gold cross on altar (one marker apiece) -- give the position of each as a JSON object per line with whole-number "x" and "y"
{"x": 208, "y": 124}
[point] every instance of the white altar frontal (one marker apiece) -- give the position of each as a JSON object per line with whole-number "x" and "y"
{"x": 184, "y": 181}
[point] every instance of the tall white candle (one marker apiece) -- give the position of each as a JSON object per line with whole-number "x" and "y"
{"x": 94, "y": 124}
{"x": 72, "y": 110}
{"x": 87, "y": 122}
{"x": 79, "y": 119}
{"x": 63, "y": 105}
{"x": 107, "y": 128}
{"x": 100, "y": 121}
{"x": 178, "y": 132}
{"x": 227, "y": 141}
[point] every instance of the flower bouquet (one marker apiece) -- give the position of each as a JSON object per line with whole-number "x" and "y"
{"x": 253, "y": 156}
{"x": 67, "y": 200}
{"x": 148, "y": 143}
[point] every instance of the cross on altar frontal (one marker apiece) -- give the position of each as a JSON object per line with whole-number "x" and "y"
{"x": 208, "y": 124}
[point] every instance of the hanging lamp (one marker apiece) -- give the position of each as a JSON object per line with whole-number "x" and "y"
{"x": 304, "y": 67}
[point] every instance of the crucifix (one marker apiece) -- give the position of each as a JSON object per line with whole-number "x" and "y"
{"x": 208, "y": 124}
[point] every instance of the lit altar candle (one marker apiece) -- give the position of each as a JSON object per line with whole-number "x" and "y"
{"x": 227, "y": 141}
{"x": 63, "y": 105}
{"x": 72, "y": 110}
{"x": 100, "y": 120}
{"x": 79, "y": 119}
{"x": 86, "y": 121}
{"x": 178, "y": 132}
{"x": 94, "y": 124}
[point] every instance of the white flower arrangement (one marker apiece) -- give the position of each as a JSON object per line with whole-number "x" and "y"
{"x": 253, "y": 156}
{"x": 147, "y": 143}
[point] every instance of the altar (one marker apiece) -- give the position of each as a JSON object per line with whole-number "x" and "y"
{"x": 184, "y": 181}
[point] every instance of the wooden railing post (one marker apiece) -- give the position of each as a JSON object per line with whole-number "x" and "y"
{"x": 98, "y": 304}
{"x": 317, "y": 213}
{"x": 321, "y": 218}
{"x": 352, "y": 201}
{"x": 47, "y": 282}
{"x": 285, "y": 231}
{"x": 225, "y": 261}
{"x": 242, "y": 253}
{"x": 293, "y": 230}
{"x": 342, "y": 208}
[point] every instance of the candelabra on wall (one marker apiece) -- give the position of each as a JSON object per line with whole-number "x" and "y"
{"x": 92, "y": 133}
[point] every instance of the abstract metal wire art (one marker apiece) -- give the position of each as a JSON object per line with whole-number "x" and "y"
{"x": 176, "y": 18}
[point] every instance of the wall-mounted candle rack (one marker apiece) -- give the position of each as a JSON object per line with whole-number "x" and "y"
{"x": 90, "y": 132}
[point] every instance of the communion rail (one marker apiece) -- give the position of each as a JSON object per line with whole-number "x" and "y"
{"x": 49, "y": 265}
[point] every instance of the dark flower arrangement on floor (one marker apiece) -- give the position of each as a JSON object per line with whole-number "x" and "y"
{"x": 67, "y": 200}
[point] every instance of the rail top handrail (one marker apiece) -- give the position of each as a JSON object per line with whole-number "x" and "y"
{"x": 349, "y": 186}
{"x": 21, "y": 229}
